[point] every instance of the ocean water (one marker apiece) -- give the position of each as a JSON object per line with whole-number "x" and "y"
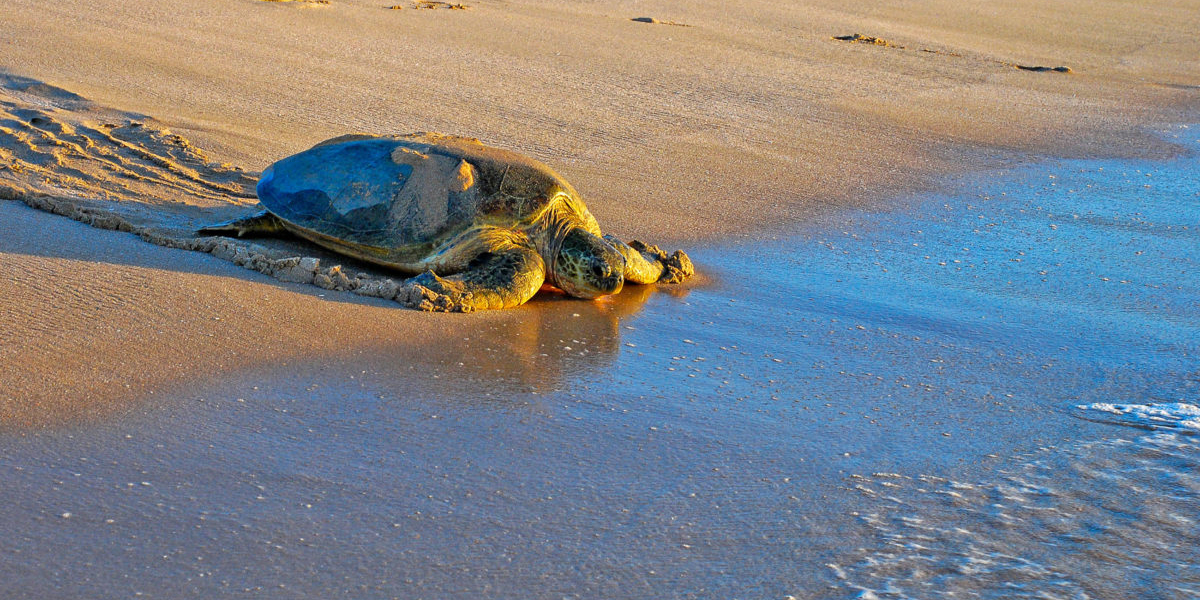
{"x": 1102, "y": 285}
{"x": 988, "y": 392}
{"x": 1111, "y": 518}
{"x": 1102, "y": 282}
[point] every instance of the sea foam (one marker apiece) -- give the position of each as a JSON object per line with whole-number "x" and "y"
{"x": 1173, "y": 415}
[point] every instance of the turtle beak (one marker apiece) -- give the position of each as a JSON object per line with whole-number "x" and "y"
{"x": 609, "y": 275}
{"x": 615, "y": 277}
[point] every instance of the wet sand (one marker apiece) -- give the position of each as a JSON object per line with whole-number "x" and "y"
{"x": 901, "y": 412}
{"x": 174, "y": 424}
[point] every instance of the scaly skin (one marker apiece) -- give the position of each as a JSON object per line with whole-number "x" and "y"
{"x": 501, "y": 279}
{"x": 263, "y": 223}
{"x": 649, "y": 264}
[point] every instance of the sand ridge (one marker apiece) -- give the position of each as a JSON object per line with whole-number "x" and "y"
{"x": 54, "y": 141}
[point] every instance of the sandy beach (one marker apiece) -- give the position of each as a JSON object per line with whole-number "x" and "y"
{"x": 714, "y": 127}
{"x": 746, "y": 122}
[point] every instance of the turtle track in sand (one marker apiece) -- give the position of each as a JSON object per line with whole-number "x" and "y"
{"x": 64, "y": 154}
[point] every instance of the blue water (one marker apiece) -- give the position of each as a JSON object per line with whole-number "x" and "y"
{"x": 884, "y": 405}
{"x": 1087, "y": 264}
{"x": 1085, "y": 275}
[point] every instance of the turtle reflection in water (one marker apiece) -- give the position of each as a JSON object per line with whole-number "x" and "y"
{"x": 480, "y": 227}
{"x": 560, "y": 343}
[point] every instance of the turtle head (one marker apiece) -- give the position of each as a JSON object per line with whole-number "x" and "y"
{"x": 586, "y": 266}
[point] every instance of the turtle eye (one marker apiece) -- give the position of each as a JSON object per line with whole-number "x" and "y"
{"x": 600, "y": 270}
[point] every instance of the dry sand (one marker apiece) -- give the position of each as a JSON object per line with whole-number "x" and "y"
{"x": 667, "y": 130}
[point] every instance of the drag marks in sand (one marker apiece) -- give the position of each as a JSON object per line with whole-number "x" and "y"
{"x": 63, "y": 154}
{"x": 54, "y": 142}
{"x": 858, "y": 38}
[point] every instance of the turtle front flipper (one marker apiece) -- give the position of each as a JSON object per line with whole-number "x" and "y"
{"x": 650, "y": 264}
{"x": 261, "y": 224}
{"x": 498, "y": 279}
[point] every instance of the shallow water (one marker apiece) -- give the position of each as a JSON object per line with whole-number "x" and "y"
{"x": 1111, "y": 518}
{"x": 884, "y": 405}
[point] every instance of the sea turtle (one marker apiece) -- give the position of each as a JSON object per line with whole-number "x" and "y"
{"x": 479, "y": 226}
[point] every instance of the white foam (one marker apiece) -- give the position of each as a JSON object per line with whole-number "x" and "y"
{"x": 1017, "y": 535}
{"x": 1175, "y": 415}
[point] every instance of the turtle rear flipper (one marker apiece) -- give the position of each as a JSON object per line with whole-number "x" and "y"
{"x": 261, "y": 224}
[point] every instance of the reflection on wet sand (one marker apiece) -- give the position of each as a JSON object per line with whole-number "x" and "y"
{"x": 546, "y": 343}
{"x": 100, "y": 355}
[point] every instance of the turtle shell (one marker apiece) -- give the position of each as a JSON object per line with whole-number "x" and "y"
{"x": 401, "y": 192}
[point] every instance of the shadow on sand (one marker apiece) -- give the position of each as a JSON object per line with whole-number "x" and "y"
{"x": 63, "y": 154}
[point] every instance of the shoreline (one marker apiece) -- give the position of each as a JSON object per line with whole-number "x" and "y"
{"x": 318, "y": 325}
{"x": 116, "y": 381}
{"x": 791, "y": 423}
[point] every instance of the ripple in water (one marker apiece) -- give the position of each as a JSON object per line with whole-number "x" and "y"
{"x": 1106, "y": 519}
{"x": 1176, "y": 415}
